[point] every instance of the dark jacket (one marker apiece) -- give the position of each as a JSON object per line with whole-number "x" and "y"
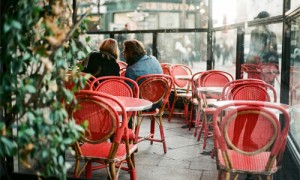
{"x": 101, "y": 64}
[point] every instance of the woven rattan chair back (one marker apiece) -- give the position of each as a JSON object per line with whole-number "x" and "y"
{"x": 117, "y": 86}
{"x": 250, "y": 139}
{"x": 103, "y": 144}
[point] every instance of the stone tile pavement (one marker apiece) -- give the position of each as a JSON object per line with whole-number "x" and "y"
{"x": 184, "y": 158}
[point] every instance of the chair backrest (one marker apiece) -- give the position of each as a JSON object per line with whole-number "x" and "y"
{"x": 155, "y": 88}
{"x": 253, "y": 70}
{"x": 249, "y": 89}
{"x": 214, "y": 78}
{"x": 122, "y": 72}
{"x": 98, "y": 109}
{"x": 264, "y": 131}
{"x": 180, "y": 69}
{"x": 194, "y": 82}
{"x": 269, "y": 72}
{"x": 117, "y": 86}
{"x": 233, "y": 84}
{"x": 122, "y": 64}
{"x": 166, "y": 68}
{"x": 250, "y": 92}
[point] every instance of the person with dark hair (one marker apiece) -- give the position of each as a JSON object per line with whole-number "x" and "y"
{"x": 263, "y": 45}
{"x": 139, "y": 63}
{"x": 103, "y": 62}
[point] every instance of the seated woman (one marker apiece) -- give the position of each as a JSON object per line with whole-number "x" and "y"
{"x": 103, "y": 62}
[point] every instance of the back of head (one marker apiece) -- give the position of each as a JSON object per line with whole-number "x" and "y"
{"x": 110, "y": 46}
{"x": 133, "y": 50}
{"x": 262, "y": 14}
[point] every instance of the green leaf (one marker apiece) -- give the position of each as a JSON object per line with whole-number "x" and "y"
{"x": 80, "y": 55}
{"x": 26, "y": 56}
{"x": 30, "y": 88}
{"x": 73, "y": 46}
{"x": 67, "y": 141}
{"x": 16, "y": 24}
{"x": 6, "y": 28}
{"x": 88, "y": 38}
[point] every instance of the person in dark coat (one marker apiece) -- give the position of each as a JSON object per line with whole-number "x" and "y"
{"x": 263, "y": 44}
{"x": 103, "y": 62}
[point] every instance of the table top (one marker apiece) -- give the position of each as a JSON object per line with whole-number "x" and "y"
{"x": 183, "y": 77}
{"x": 134, "y": 104}
{"x": 222, "y": 103}
{"x": 217, "y": 90}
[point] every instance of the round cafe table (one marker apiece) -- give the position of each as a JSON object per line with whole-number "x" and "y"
{"x": 210, "y": 90}
{"x": 134, "y": 104}
{"x": 183, "y": 77}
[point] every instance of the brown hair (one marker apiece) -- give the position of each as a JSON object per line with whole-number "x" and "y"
{"x": 110, "y": 46}
{"x": 134, "y": 49}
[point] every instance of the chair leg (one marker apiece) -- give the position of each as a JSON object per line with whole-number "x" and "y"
{"x": 131, "y": 167}
{"x": 220, "y": 174}
{"x": 202, "y": 127}
{"x": 206, "y": 129}
{"x": 197, "y": 121}
{"x": 76, "y": 168}
{"x": 162, "y": 134}
{"x": 172, "y": 109}
{"x": 227, "y": 175}
{"x": 88, "y": 170}
{"x": 152, "y": 129}
{"x": 112, "y": 170}
{"x": 192, "y": 120}
{"x": 137, "y": 129}
{"x": 186, "y": 110}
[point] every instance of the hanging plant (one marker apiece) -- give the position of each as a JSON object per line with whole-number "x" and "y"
{"x": 39, "y": 45}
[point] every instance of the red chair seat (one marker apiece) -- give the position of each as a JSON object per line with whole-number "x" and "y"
{"x": 255, "y": 163}
{"x": 101, "y": 150}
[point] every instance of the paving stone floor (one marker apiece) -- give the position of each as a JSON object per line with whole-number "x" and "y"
{"x": 185, "y": 159}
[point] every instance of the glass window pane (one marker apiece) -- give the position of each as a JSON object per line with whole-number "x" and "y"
{"x": 235, "y": 11}
{"x": 263, "y": 46}
{"x": 224, "y": 43}
{"x": 183, "y": 48}
{"x": 295, "y": 81}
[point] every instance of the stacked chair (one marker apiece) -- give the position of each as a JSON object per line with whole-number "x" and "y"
{"x": 210, "y": 78}
{"x": 181, "y": 90}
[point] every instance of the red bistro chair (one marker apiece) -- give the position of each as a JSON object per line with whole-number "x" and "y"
{"x": 118, "y": 86}
{"x": 155, "y": 88}
{"x": 194, "y": 102}
{"x": 166, "y": 70}
{"x": 181, "y": 89}
{"x": 249, "y": 89}
{"x": 103, "y": 144}
{"x": 253, "y": 70}
{"x": 269, "y": 72}
{"x": 257, "y": 150}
